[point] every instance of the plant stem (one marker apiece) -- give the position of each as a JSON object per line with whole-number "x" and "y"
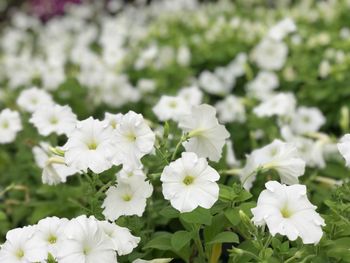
{"x": 183, "y": 138}
{"x": 199, "y": 245}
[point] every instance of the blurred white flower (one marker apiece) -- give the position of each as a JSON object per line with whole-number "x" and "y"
{"x": 190, "y": 182}
{"x": 171, "y": 108}
{"x": 206, "y": 136}
{"x": 263, "y": 85}
{"x": 282, "y": 29}
{"x": 286, "y": 210}
{"x": 307, "y": 120}
{"x": 10, "y": 125}
{"x": 54, "y": 119}
{"x": 193, "y": 95}
{"x": 281, "y": 104}
{"x": 230, "y": 109}
{"x": 33, "y": 98}
{"x": 113, "y": 119}
{"x": 344, "y": 148}
{"x": 270, "y": 54}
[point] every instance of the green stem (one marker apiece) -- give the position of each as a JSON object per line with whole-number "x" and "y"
{"x": 199, "y": 245}
{"x": 183, "y": 138}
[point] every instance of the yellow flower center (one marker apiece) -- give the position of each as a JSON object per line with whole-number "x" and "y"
{"x": 52, "y": 239}
{"x": 92, "y": 145}
{"x": 131, "y": 137}
{"x": 20, "y": 253}
{"x": 127, "y": 197}
{"x": 188, "y": 180}
{"x": 286, "y": 213}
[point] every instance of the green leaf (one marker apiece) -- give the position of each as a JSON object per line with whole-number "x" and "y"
{"x": 232, "y": 214}
{"x": 225, "y": 237}
{"x": 161, "y": 241}
{"x": 180, "y": 239}
{"x": 198, "y": 216}
{"x": 169, "y": 212}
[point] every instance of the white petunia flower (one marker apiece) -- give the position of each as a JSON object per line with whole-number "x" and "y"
{"x": 212, "y": 84}
{"x": 127, "y": 198}
{"x": 281, "y": 104}
{"x": 10, "y": 125}
{"x": 55, "y": 170}
{"x": 193, "y": 95}
{"x": 263, "y": 85}
{"x": 33, "y": 98}
{"x": 307, "y": 120}
{"x": 54, "y": 119}
{"x": 344, "y": 148}
{"x": 270, "y": 54}
{"x": 206, "y": 136}
{"x": 124, "y": 242}
{"x": 280, "y": 156}
{"x": 282, "y": 29}
{"x": 134, "y": 139}
{"x": 286, "y": 210}
{"x": 190, "y": 182}
{"x": 51, "y": 231}
{"x": 23, "y": 247}
{"x": 230, "y": 109}
{"x": 86, "y": 242}
{"x": 90, "y": 146}
{"x": 113, "y": 119}
{"x": 171, "y": 108}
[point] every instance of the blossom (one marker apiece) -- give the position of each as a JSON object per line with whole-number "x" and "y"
{"x": 307, "y": 120}
{"x": 190, "y": 182}
{"x": 286, "y": 210}
{"x": 127, "y": 198}
{"x": 50, "y": 230}
{"x": 90, "y": 146}
{"x": 54, "y": 119}
{"x": 33, "y": 98}
{"x": 86, "y": 242}
{"x": 230, "y": 109}
{"x": 280, "y": 156}
{"x": 263, "y": 85}
{"x": 113, "y": 119}
{"x": 23, "y": 247}
{"x": 10, "y": 125}
{"x": 281, "y": 104}
{"x": 270, "y": 54}
{"x": 193, "y": 95}
{"x": 124, "y": 242}
{"x": 134, "y": 138}
{"x": 344, "y": 148}
{"x": 54, "y": 167}
{"x": 171, "y": 108}
{"x": 282, "y": 28}
{"x": 206, "y": 136}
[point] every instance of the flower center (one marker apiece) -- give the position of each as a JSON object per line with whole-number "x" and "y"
{"x": 53, "y": 120}
{"x": 52, "y": 239}
{"x": 188, "y": 180}
{"x": 113, "y": 123}
{"x": 86, "y": 250}
{"x": 20, "y": 253}
{"x": 286, "y": 213}
{"x": 131, "y": 137}
{"x": 172, "y": 104}
{"x": 5, "y": 124}
{"x": 92, "y": 145}
{"x": 127, "y": 197}
{"x": 273, "y": 152}
{"x": 306, "y": 119}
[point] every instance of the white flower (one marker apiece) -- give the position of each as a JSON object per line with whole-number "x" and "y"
{"x": 90, "y": 146}
{"x": 54, "y": 119}
{"x": 212, "y": 84}
{"x": 127, "y": 172}
{"x": 344, "y": 148}
{"x": 55, "y": 170}
{"x": 86, "y": 242}
{"x": 282, "y": 28}
{"x": 280, "y": 156}
{"x": 231, "y": 159}
{"x": 263, "y": 85}
{"x": 281, "y": 104}
{"x": 146, "y": 85}
{"x": 193, "y": 95}
{"x": 51, "y": 231}
{"x": 134, "y": 139}
{"x": 10, "y": 125}
{"x": 190, "y": 182}
{"x": 113, "y": 119}
{"x": 270, "y": 54}
{"x": 307, "y": 120}
{"x": 183, "y": 56}
{"x": 33, "y": 98}
{"x": 127, "y": 198}
{"x": 230, "y": 109}
{"x": 171, "y": 108}
{"x": 124, "y": 242}
{"x": 324, "y": 68}
{"x": 23, "y": 247}
{"x": 207, "y": 136}
{"x": 286, "y": 210}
